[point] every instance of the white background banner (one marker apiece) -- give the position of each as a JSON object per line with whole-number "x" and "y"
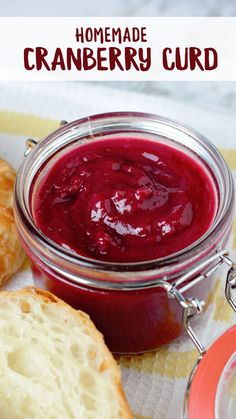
{"x": 123, "y": 49}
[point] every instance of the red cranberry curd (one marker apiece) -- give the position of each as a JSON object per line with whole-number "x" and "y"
{"x": 124, "y": 200}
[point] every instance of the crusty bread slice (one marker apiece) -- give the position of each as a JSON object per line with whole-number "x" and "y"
{"x": 54, "y": 363}
{"x": 7, "y": 179}
{"x": 11, "y": 252}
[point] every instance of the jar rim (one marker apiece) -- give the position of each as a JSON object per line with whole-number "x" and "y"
{"x": 92, "y": 125}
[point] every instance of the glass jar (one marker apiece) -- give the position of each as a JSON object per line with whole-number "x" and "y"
{"x": 137, "y": 306}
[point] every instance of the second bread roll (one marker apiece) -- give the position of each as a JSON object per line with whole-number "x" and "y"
{"x": 11, "y": 252}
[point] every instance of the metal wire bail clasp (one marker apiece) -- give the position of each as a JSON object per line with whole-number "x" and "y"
{"x": 231, "y": 284}
{"x": 192, "y": 306}
{"x": 30, "y": 144}
{"x": 63, "y": 123}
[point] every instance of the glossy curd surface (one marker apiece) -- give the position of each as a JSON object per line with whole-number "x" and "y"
{"x": 124, "y": 200}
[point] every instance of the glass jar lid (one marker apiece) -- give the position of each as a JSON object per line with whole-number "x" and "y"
{"x": 211, "y": 392}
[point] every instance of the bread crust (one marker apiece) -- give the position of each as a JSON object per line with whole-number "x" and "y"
{"x": 80, "y": 316}
{"x": 11, "y": 252}
{"x": 7, "y": 179}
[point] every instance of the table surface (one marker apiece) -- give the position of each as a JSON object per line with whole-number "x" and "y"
{"x": 119, "y": 8}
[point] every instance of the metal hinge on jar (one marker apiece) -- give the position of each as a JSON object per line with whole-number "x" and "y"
{"x": 192, "y": 307}
{"x": 31, "y": 143}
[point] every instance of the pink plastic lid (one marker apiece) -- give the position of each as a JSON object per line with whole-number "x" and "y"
{"x": 212, "y": 394}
